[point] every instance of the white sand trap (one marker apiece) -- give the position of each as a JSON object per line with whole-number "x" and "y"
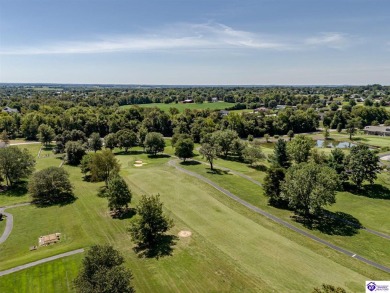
{"x": 184, "y": 234}
{"x": 386, "y": 158}
{"x": 139, "y": 163}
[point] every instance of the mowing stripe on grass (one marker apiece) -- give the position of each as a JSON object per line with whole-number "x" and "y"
{"x": 278, "y": 220}
{"x": 41, "y": 261}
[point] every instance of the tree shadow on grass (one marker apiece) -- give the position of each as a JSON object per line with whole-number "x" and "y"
{"x": 190, "y": 163}
{"x": 131, "y": 152}
{"x": 159, "y": 156}
{"x": 59, "y": 202}
{"x": 163, "y": 247}
{"x": 127, "y": 213}
{"x": 216, "y": 171}
{"x": 331, "y": 223}
{"x": 371, "y": 190}
{"x": 19, "y": 189}
{"x": 259, "y": 167}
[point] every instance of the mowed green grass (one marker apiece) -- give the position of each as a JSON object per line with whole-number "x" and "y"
{"x": 54, "y": 276}
{"x": 363, "y": 243}
{"x": 231, "y": 249}
{"x": 181, "y": 107}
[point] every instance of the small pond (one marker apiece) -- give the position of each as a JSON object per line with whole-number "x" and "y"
{"x": 334, "y": 144}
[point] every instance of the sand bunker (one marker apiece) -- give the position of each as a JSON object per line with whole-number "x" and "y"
{"x": 184, "y": 234}
{"x": 386, "y": 158}
{"x": 139, "y": 163}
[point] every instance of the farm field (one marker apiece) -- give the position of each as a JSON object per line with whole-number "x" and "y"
{"x": 231, "y": 248}
{"x": 181, "y": 107}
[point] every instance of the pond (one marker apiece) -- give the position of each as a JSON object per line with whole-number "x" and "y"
{"x": 334, "y": 144}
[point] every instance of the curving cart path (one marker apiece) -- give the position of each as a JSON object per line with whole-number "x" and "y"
{"x": 278, "y": 220}
{"x": 9, "y": 220}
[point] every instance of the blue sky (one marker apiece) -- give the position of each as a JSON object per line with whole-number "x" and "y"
{"x": 195, "y": 42}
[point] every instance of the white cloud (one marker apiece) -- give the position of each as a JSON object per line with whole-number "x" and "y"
{"x": 331, "y": 40}
{"x": 182, "y": 37}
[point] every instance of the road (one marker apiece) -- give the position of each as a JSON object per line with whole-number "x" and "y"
{"x": 41, "y": 261}
{"x": 9, "y": 220}
{"x": 278, "y": 220}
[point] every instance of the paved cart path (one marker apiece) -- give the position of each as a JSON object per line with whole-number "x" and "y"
{"x": 41, "y": 261}
{"x": 9, "y": 220}
{"x": 278, "y": 220}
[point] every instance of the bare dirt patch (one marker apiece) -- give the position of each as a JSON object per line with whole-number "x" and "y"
{"x": 139, "y": 163}
{"x": 184, "y": 234}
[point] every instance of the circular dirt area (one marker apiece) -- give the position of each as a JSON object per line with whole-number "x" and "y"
{"x": 184, "y": 234}
{"x": 138, "y": 165}
{"x": 138, "y": 162}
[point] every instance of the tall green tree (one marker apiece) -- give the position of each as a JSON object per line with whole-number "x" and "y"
{"x": 151, "y": 223}
{"x": 184, "y": 148}
{"x": 126, "y": 139}
{"x": 210, "y": 152}
{"x": 103, "y": 271}
{"x": 154, "y": 143}
{"x": 252, "y": 154}
{"x": 362, "y": 164}
{"x": 224, "y": 139}
{"x": 273, "y": 185}
{"x": 299, "y": 148}
{"x": 51, "y": 186}
{"x": 102, "y": 165}
{"x": 280, "y": 155}
{"x": 95, "y": 142}
{"x": 336, "y": 161}
{"x": 45, "y": 134}
{"x": 15, "y": 164}
{"x": 118, "y": 193}
{"x": 308, "y": 187}
{"x": 4, "y": 137}
{"x": 75, "y": 151}
{"x": 110, "y": 141}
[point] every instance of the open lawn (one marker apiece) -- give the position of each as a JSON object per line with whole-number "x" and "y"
{"x": 363, "y": 243}
{"x": 181, "y": 107}
{"x": 231, "y": 248}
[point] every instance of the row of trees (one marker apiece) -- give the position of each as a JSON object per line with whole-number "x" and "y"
{"x": 306, "y": 180}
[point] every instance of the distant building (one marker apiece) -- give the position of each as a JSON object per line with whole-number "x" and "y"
{"x": 10, "y": 110}
{"x": 261, "y": 109}
{"x": 223, "y": 113}
{"x": 188, "y": 101}
{"x": 213, "y": 100}
{"x": 377, "y": 130}
{"x": 280, "y": 107}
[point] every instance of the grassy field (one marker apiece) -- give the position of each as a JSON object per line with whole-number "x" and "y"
{"x": 181, "y": 107}
{"x": 231, "y": 249}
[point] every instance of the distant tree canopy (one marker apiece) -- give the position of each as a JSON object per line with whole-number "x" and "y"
{"x": 15, "y": 164}
{"x": 51, "y": 186}
{"x": 95, "y": 142}
{"x": 103, "y": 271}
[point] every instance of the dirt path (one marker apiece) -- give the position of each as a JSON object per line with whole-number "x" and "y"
{"x": 278, "y": 220}
{"x": 10, "y": 220}
{"x": 41, "y": 261}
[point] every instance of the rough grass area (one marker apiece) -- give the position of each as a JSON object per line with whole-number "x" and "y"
{"x": 231, "y": 249}
{"x": 181, "y": 107}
